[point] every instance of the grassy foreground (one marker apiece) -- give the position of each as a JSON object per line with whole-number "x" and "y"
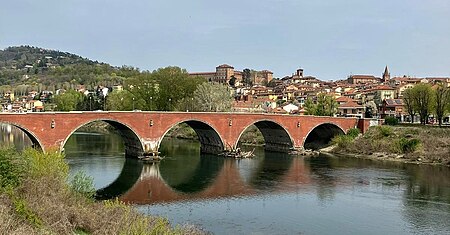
{"x": 35, "y": 198}
{"x": 422, "y": 144}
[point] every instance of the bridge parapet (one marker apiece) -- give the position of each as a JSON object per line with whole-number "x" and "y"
{"x": 143, "y": 131}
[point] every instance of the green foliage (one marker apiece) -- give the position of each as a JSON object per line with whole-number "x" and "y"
{"x": 50, "y": 163}
{"x": 247, "y": 77}
{"x": 406, "y": 145}
{"x": 442, "y": 102}
{"x": 392, "y": 121}
{"x": 342, "y": 141}
{"x": 325, "y": 105}
{"x": 122, "y": 101}
{"x": 421, "y": 99}
{"x": 384, "y": 131}
{"x": 162, "y": 89}
{"x": 54, "y": 69}
{"x": 353, "y": 132}
{"x": 13, "y": 168}
{"x": 21, "y": 208}
{"x": 211, "y": 97}
{"x": 83, "y": 184}
{"x": 69, "y": 101}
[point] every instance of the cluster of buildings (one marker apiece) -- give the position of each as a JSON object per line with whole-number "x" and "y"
{"x": 33, "y": 101}
{"x": 356, "y": 96}
{"x": 258, "y": 91}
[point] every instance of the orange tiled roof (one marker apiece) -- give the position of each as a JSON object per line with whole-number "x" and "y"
{"x": 350, "y": 104}
{"x": 344, "y": 99}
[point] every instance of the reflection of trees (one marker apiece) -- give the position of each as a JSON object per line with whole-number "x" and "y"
{"x": 184, "y": 169}
{"x": 271, "y": 170}
{"x": 427, "y": 198}
{"x": 324, "y": 176}
{"x": 94, "y": 143}
{"x": 129, "y": 175}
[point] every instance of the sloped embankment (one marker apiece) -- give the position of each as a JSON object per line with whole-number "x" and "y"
{"x": 420, "y": 144}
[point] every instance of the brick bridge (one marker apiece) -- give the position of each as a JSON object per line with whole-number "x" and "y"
{"x": 142, "y": 132}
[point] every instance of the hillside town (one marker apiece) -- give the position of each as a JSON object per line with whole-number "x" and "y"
{"x": 360, "y": 95}
{"x": 357, "y": 96}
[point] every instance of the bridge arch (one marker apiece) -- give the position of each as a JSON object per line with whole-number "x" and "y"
{"x": 276, "y": 136}
{"x": 209, "y": 137}
{"x": 132, "y": 142}
{"x": 321, "y": 135}
{"x": 36, "y": 143}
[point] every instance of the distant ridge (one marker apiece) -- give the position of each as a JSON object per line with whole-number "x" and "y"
{"x": 34, "y": 66}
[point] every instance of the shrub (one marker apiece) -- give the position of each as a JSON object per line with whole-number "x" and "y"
{"x": 385, "y": 131}
{"x": 13, "y": 168}
{"x": 342, "y": 141}
{"x": 47, "y": 164}
{"x": 353, "y": 133}
{"x": 408, "y": 145}
{"x": 83, "y": 184}
{"x": 392, "y": 121}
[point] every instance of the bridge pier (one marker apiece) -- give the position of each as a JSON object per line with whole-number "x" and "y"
{"x": 150, "y": 146}
{"x": 278, "y": 147}
{"x": 211, "y": 149}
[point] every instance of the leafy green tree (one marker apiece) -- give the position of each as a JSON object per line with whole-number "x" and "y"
{"x": 68, "y": 101}
{"x": 122, "y": 101}
{"x": 423, "y": 98}
{"x": 408, "y": 100}
{"x": 442, "y": 98}
{"x": 325, "y": 105}
{"x": 163, "y": 88}
{"x": 247, "y": 77}
{"x": 272, "y": 83}
{"x": 212, "y": 97}
{"x": 232, "y": 81}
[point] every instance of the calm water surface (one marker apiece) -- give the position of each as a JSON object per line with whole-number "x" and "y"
{"x": 271, "y": 194}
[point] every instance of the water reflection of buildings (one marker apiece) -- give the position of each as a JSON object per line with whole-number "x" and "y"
{"x": 151, "y": 187}
{"x": 13, "y": 136}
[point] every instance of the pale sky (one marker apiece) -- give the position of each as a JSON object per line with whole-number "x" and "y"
{"x": 330, "y": 39}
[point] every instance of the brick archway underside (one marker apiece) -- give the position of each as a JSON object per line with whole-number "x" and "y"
{"x": 209, "y": 139}
{"x": 321, "y": 136}
{"x": 133, "y": 145}
{"x": 276, "y": 138}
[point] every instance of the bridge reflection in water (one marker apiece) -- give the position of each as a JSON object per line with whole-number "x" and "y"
{"x": 185, "y": 174}
{"x": 227, "y": 178}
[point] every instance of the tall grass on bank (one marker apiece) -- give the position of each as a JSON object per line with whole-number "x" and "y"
{"x": 36, "y": 199}
{"x": 344, "y": 141}
{"x": 427, "y": 144}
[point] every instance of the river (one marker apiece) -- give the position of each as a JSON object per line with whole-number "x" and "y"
{"x": 271, "y": 194}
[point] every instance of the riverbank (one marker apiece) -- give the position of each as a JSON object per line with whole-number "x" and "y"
{"x": 412, "y": 144}
{"x": 35, "y": 198}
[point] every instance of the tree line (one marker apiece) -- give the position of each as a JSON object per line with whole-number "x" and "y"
{"x": 165, "y": 89}
{"x": 424, "y": 100}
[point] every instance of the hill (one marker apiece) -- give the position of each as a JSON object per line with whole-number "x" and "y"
{"x": 38, "y": 68}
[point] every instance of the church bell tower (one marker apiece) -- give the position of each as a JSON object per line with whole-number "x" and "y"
{"x": 386, "y": 75}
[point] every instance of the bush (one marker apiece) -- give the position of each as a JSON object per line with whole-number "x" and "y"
{"x": 342, "y": 141}
{"x": 13, "y": 168}
{"x": 391, "y": 121}
{"x": 408, "y": 145}
{"x": 385, "y": 131}
{"x": 47, "y": 164}
{"x": 354, "y": 132}
{"x": 83, "y": 184}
